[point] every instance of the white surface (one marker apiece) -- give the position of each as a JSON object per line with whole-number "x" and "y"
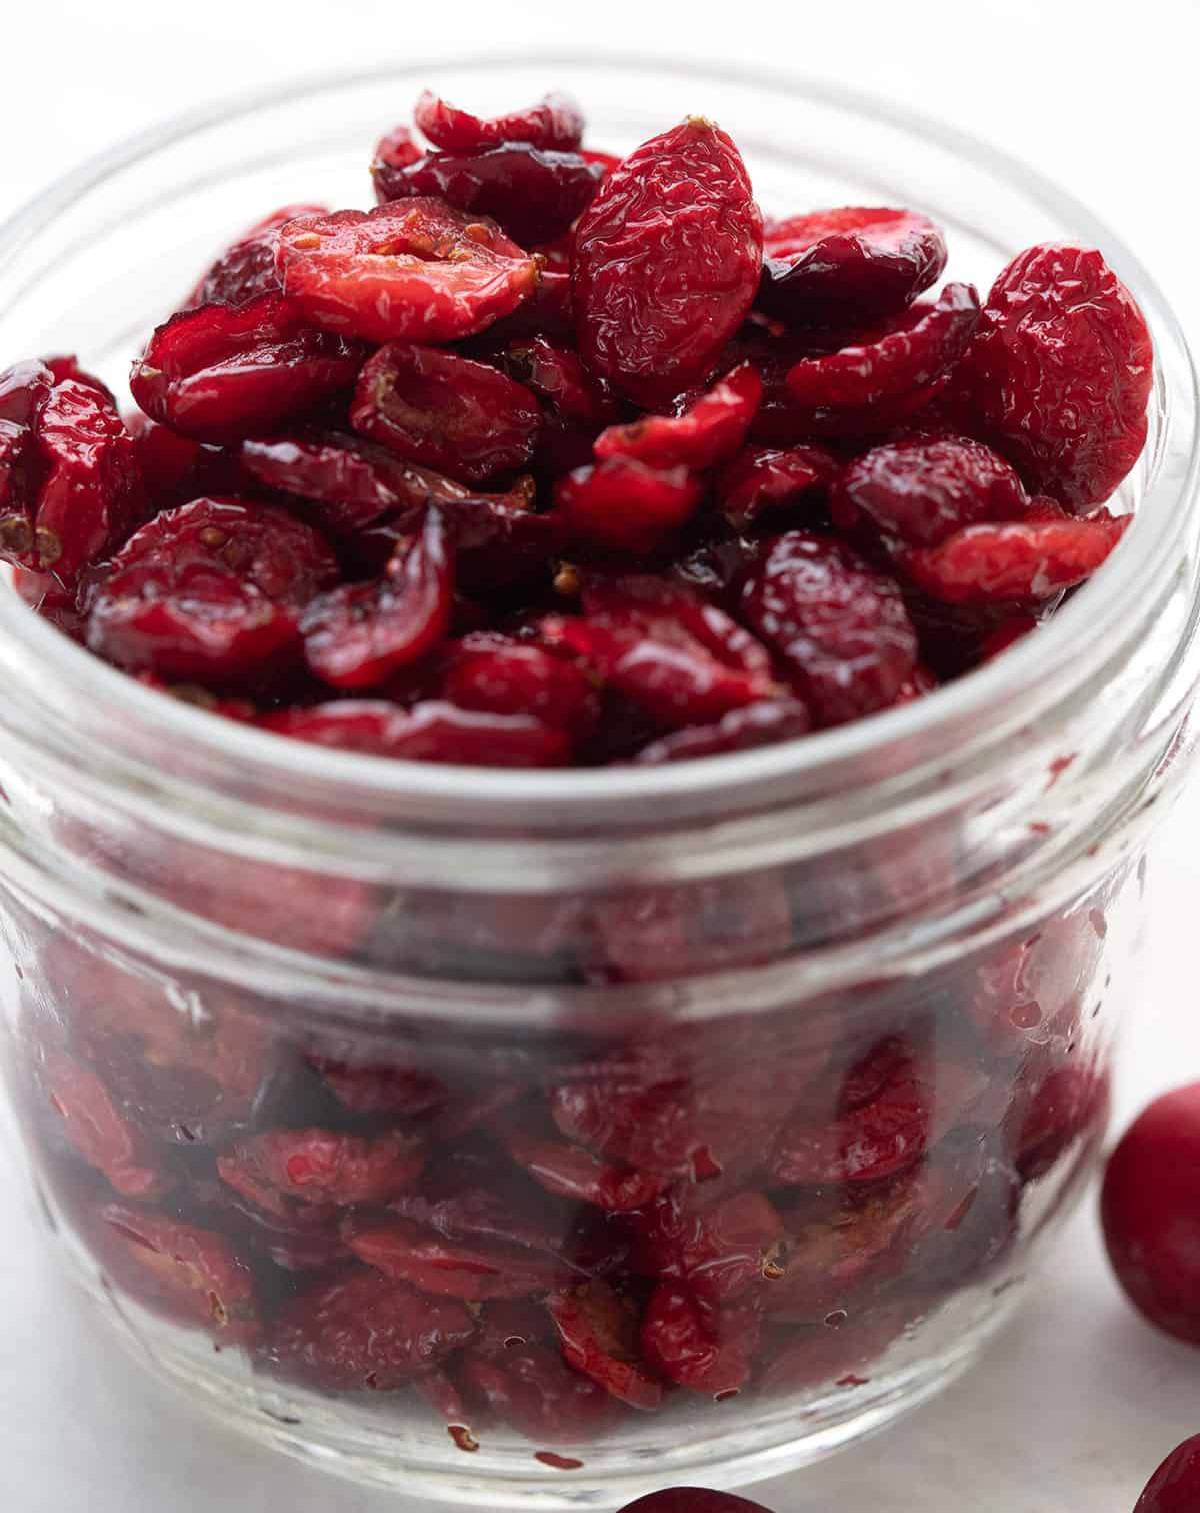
{"x": 1077, "y": 1403}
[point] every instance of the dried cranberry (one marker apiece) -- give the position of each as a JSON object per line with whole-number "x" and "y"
{"x": 997, "y": 564}
{"x": 247, "y": 268}
{"x": 1175, "y": 1486}
{"x": 533, "y": 195}
{"x": 625, "y": 506}
{"x": 708, "y": 432}
{"x": 833, "y": 266}
{"x": 707, "y": 1350}
{"x": 569, "y": 1172}
{"x": 1006, "y": 634}
{"x": 415, "y": 1254}
{"x": 906, "y": 356}
{"x": 840, "y": 626}
{"x": 381, "y": 1088}
{"x": 667, "y": 262}
{"x": 396, "y": 149}
{"x": 362, "y": 1331}
{"x": 598, "y": 1331}
{"x": 721, "y": 1250}
{"x": 1151, "y": 1213}
{"x": 531, "y": 1389}
{"x": 359, "y": 634}
{"x": 443, "y": 411}
{"x": 1066, "y": 1107}
{"x": 210, "y": 591}
{"x": 752, "y": 725}
{"x": 574, "y": 405}
{"x": 320, "y": 1166}
{"x": 419, "y": 269}
{"x": 494, "y": 673}
{"x": 692, "y": 1500}
{"x": 1060, "y": 372}
{"x": 555, "y": 122}
{"x": 677, "y": 657}
{"x": 188, "y": 1272}
{"x": 766, "y": 480}
{"x": 221, "y": 372}
{"x": 918, "y": 492}
{"x": 97, "y": 1130}
{"x": 431, "y": 731}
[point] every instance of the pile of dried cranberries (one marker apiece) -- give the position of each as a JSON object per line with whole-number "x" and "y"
{"x": 553, "y": 458}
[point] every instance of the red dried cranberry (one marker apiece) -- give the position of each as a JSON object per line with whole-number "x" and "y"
{"x": 221, "y": 372}
{"x": 906, "y": 356}
{"x": 431, "y": 731}
{"x": 555, "y": 122}
{"x": 362, "y": 1331}
{"x": 997, "y": 564}
{"x": 677, "y": 657}
{"x": 708, "y": 432}
{"x": 692, "y": 1500}
{"x": 374, "y": 1088}
{"x": 1060, "y": 372}
{"x": 598, "y": 1331}
{"x": 190, "y": 1273}
{"x": 707, "y": 1350}
{"x": 320, "y": 1166}
{"x": 840, "y": 626}
{"x": 246, "y": 269}
{"x": 359, "y": 634}
{"x": 210, "y": 591}
{"x": 569, "y": 1172}
{"x": 494, "y": 673}
{"x": 743, "y": 729}
{"x": 1048, "y": 1117}
{"x": 396, "y": 149}
{"x": 574, "y": 405}
{"x": 667, "y": 262}
{"x": 533, "y": 195}
{"x": 443, "y": 411}
{"x": 721, "y": 1250}
{"x": 417, "y": 270}
{"x": 625, "y": 506}
{"x": 765, "y": 480}
{"x": 532, "y": 1390}
{"x": 412, "y": 1253}
{"x": 834, "y": 266}
{"x": 1150, "y": 1207}
{"x": 1175, "y": 1486}
{"x": 918, "y": 492}
{"x": 97, "y": 1130}
{"x": 1006, "y": 634}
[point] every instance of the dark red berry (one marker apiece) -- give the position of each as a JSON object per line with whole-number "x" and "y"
{"x": 444, "y": 411}
{"x": 97, "y": 1130}
{"x": 765, "y": 481}
{"x": 752, "y": 725}
{"x": 246, "y": 269}
{"x": 708, "y": 432}
{"x": 431, "y": 731}
{"x": 412, "y": 1253}
{"x": 531, "y": 1389}
{"x": 625, "y": 506}
{"x": 221, "y": 372}
{"x": 840, "y": 627}
{"x": 598, "y": 1332}
{"x": 555, "y": 122}
{"x": 1060, "y": 373}
{"x": 853, "y": 264}
{"x": 191, "y": 1274}
{"x": 494, "y": 673}
{"x": 667, "y": 262}
{"x": 418, "y": 270}
{"x": 1175, "y": 1486}
{"x": 321, "y": 1166}
{"x": 693, "y": 1500}
{"x": 1150, "y": 1208}
{"x": 707, "y": 1350}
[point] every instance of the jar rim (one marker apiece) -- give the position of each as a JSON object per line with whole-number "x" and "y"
{"x": 892, "y": 743}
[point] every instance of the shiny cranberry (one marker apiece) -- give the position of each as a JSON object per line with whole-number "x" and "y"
{"x": 692, "y": 1500}
{"x": 1150, "y": 1207}
{"x": 1175, "y": 1486}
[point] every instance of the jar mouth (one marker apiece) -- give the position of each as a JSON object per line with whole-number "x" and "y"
{"x": 102, "y": 705}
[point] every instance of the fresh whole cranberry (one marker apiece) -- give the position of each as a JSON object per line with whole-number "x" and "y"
{"x": 1150, "y": 1209}
{"x": 1175, "y": 1486}
{"x": 692, "y": 1500}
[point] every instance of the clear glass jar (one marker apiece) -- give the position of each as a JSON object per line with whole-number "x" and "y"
{"x": 543, "y": 1138}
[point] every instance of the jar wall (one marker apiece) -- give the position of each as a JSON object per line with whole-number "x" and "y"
{"x": 763, "y": 1231}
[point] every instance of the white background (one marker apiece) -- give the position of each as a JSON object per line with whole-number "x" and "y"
{"x": 1077, "y": 1402}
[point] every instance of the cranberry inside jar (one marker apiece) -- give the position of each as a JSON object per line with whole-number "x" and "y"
{"x": 576, "y": 833}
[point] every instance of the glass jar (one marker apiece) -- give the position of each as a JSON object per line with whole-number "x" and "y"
{"x": 544, "y": 1138}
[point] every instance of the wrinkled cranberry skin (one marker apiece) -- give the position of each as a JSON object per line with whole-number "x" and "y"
{"x": 1175, "y": 1486}
{"x": 554, "y": 122}
{"x": 247, "y": 268}
{"x": 707, "y": 433}
{"x": 432, "y": 731}
{"x": 1060, "y": 372}
{"x": 415, "y": 271}
{"x": 625, "y": 506}
{"x": 766, "y": 481}
{"x": 1150, "y": 1209}
{"x": 852, "y": 264}
{"x": 219, "y": 373}
{"x": 667, "y": 262}
{"x": 533, "y": 195}
{"x": 444, "y": 411}
{"x": 826, "y": 612}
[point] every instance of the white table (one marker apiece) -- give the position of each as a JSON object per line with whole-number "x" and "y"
{"x": 1078, "y": 1401}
